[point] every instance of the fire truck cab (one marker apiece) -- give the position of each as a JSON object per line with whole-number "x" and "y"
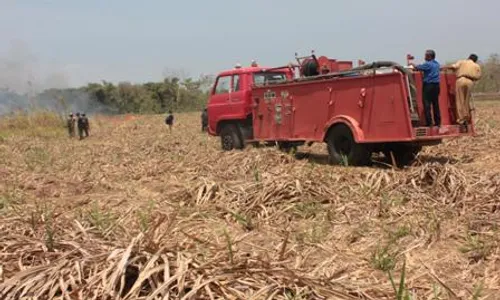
{"x": 230, "y": 108}
{"x": 356, "y": 111}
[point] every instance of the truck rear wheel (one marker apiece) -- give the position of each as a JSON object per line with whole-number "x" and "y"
{"x": 230, "y": 137}
{"x": 404, "y": 155}
{"x": 343, "y": 149}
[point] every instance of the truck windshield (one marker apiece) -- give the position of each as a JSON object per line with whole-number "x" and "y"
{"x": 265, "y": 78}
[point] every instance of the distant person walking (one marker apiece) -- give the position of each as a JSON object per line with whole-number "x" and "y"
{"x": 204, "y": 120}
{"x": 431, "y": 88}
{"x": 467, "y": 72}
{"x": 170, "y": 120}
{"x": 70, "y": 123}
{"x": 86, "y": 125}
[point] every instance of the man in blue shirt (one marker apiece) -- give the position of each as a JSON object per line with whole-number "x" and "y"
{"x": 431, "y": 88}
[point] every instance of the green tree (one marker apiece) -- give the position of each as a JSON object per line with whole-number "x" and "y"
{"x": 490, "y": 81}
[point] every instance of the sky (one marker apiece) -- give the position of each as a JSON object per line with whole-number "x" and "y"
{"x": 62, "y": 43}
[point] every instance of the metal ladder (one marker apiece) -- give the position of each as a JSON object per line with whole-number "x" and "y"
{"x": 412, "y": 95}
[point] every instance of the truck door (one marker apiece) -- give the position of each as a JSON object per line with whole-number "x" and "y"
{"x": 219, "y": 100}
{"x": 237, "y": 94}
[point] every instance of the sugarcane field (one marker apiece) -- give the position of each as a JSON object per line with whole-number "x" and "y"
{"x": 135, "y": 211}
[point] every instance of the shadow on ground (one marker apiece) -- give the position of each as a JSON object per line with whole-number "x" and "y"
{"x": 322, "y": 159}
{"x": 379, "y": 161}
{"x": 442, "y": 160}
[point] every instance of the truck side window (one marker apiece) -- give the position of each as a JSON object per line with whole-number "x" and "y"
{"x": 236, "y": 83}
{"x": 223, "y": 85}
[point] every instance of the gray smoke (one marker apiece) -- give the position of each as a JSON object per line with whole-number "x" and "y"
{"x": 60, "y": 101}
{"x": 27, "y": 85}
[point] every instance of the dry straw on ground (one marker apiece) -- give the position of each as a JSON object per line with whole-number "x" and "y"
{"x": 134, "y": 212}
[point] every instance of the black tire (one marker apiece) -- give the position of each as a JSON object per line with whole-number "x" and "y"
{"x": 404, "y": 155}
{"x": 342, "y": 148}
{"x": 230, "y": 137}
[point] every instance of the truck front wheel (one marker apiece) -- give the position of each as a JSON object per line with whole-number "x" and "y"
{"x": 343, "y": 149}
{"x": 230, "y": 138}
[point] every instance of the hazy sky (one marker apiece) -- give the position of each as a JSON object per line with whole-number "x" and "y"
{"x": 71, "y": 42}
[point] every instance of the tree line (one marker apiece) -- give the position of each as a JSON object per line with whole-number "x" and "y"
{"x": 490, "y": 80}
{"x": 172, "y": 93}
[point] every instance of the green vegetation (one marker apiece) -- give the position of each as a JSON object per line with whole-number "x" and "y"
{"x": 400, "y": 232}
{"x": 99, "y": 218}
{"x": 475, "y": 247}
{"x": 152, "y": 97}
{"x": 383, "y": 258}
{"x": 48, "y": 217}
{"x": 401, "y": 291}
{"x": 490, "y": 81}
{"x": 308, "y": 209}
{"x": 145, "y": 216}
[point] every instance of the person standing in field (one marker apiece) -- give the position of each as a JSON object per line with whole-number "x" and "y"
{"x": 467, "y": 72}
{"x": 80, "y": 125}
{"x": 204, "y": 120}
{"x": 86, "y": 126}
{"x": 70, "y": 123}
{"x": 170, "y": 120}
{"x": 431, "y": 88}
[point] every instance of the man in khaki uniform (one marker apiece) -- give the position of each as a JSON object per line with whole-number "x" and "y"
{"x": 71, "y": 125}
{"x": 468, "y": 72}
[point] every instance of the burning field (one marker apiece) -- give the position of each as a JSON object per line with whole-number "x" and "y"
{"x": 136, "y": 212}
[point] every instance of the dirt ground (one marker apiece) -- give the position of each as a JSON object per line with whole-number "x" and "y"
{"x": 137, "y": 212}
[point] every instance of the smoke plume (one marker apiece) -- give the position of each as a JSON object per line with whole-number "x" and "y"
{"x": 27, "y": 85}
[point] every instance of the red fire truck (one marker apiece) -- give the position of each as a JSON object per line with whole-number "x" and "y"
{"x": 356, "y": 111}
